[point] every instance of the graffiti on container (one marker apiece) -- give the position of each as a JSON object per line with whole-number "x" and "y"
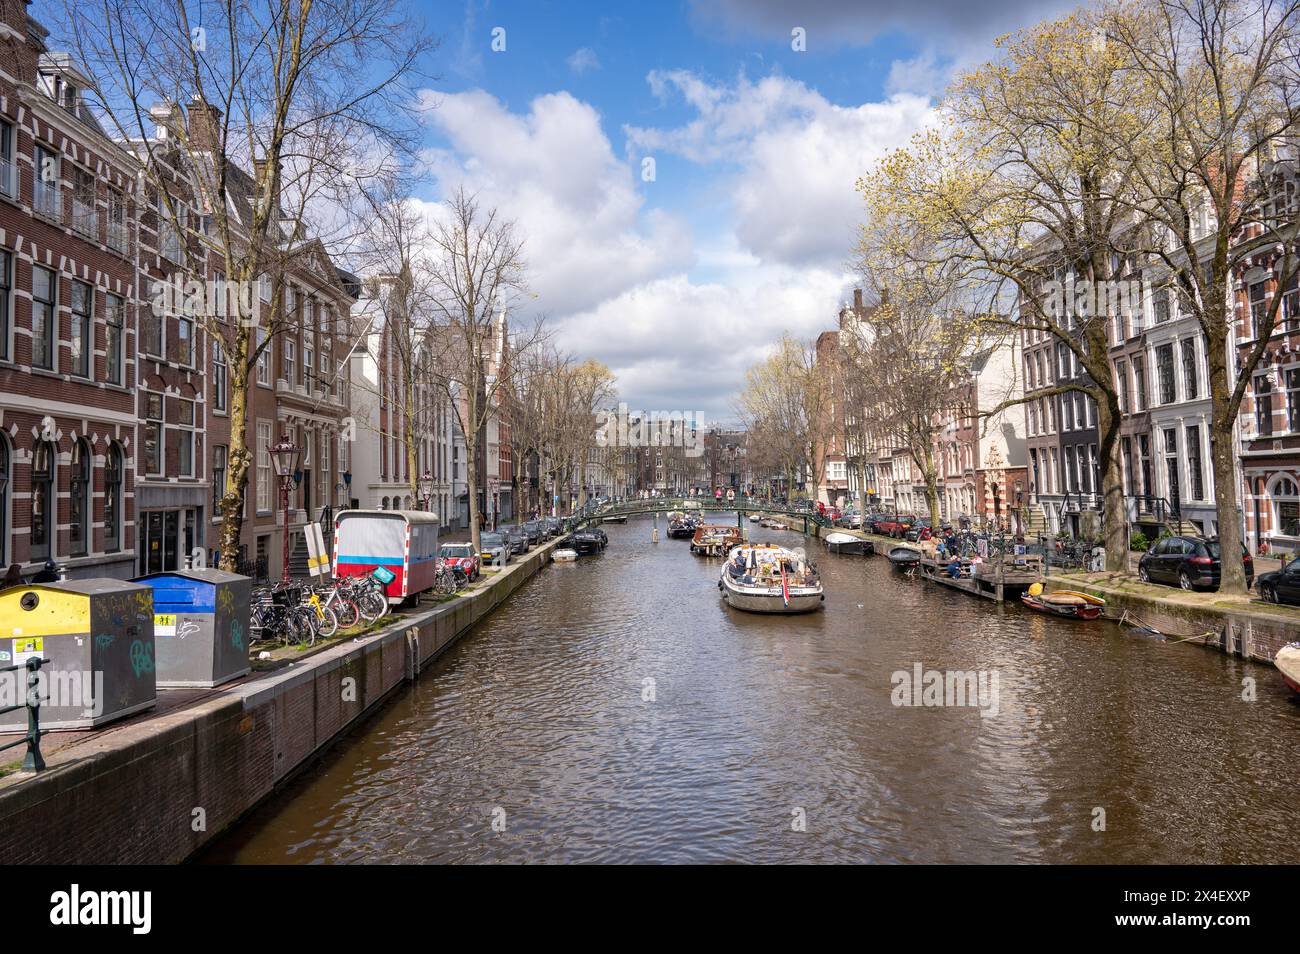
{"x": 141, "y": 657}
{"x": 104, "y": 640}
{"x": 237, "y": 635}
{"x": 187, "y": 627}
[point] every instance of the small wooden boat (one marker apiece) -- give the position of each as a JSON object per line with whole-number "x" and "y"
{"x": 904, "y": 558}
{"x": 754, "y": 518}
{"x": 681, "y": 526}
{"x": 713, "y": 539}
{"x": 765, "y": 578}
{"x": 1287, "y": 661}
{"x": 564, "y": 555}
{"x": 1065, "y": 603}
{"x": 586, "y": 542}
{"x": 771, "y": 523}
{"x": 847, "y": 543}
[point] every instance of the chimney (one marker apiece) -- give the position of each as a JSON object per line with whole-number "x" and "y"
{"x": 163, "y": 115}
{"x": 204, "y": 126}
{"x": 884, "y": 296}
{"x": 857, "y": 301}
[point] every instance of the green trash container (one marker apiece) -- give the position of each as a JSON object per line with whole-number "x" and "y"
{"x": 98, "y": 636}
{"x": 200, "y": 626}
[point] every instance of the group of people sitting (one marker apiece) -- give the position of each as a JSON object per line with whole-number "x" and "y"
{"x": 768, "y": 572}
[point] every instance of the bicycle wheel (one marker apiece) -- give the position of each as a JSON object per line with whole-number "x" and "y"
{"x": 373, "y": 605}
{"x": 327, "y": 621}
{"x": 347, "y": 611}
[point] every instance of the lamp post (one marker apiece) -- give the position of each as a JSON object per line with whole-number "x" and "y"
{"x": 425, "y": 487}
{"x": 347, "y": 489}
{"x": 284, "y": 455}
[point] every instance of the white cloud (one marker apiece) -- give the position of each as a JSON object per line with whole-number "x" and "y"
{"x": 922, "y": 75}
{"x": 682, "y": 345}
{"x": 552, "y": 170}
{"x": 798, "y": 156}
{"x": 583, "y": 60}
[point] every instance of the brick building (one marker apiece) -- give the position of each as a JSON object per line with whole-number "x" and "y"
{"x": 68, "y": 451}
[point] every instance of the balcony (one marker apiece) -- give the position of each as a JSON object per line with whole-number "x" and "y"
{"x": 47, "y": 201}
{"x": 8, "y": 178}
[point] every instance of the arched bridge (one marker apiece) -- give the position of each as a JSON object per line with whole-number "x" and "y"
{"x": 741, "y": 505}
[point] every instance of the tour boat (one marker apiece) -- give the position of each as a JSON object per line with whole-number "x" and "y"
{"x": 713, "y": 539}
{"x": 848, "y": 543}
{"x": 765, "y": 578}
{"x": 1065, "y": 603}
{"x": 1287, "y": 661}
{"x": 904, "y": 558}
{"x": 681, "y": 526}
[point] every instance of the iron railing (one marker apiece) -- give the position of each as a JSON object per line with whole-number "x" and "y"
{"x": 32, "y": 761}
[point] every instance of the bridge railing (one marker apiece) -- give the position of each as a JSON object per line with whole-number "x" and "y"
{"x": 743, "y": 504}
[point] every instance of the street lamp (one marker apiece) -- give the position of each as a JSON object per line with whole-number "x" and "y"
{"x": 347, "y": 489}
{"x": 425, "y": 485}
{"x": 284, "y": 455}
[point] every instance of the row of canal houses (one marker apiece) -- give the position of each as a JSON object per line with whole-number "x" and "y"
{"x": 1035, "y": 467}
{"x": 114, "y": 408}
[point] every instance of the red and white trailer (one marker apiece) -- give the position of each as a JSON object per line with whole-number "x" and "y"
{"x": 403, "y": 542}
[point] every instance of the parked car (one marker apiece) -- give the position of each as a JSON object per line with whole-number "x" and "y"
{"x": 493, "y": 549}
{"x": 518, "y": 539}
{"x": 554, "y": 526}
{"x": 921, "y": 530}
{"x": 1281, "y": 586}
{"x": 877, "y": 520}
{"x": 536, "y": 534}
{"x": 461, "y": 556}
{"x": 852, "y": 519}
{"x": 898, "y": 525}
{"x": 1189, "y": 562}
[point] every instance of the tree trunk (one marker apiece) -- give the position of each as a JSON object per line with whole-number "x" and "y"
{"x": 931, "y": 486}
{"x": 239, "y": 462}
{"x": 1114, "y": 513}
{"x": 1232, "y": 578}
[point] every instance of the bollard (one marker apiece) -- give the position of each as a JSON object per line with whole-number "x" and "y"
{"x": 654, "y": 527}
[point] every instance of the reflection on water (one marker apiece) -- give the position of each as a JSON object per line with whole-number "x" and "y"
{"x": 540, "y": 720}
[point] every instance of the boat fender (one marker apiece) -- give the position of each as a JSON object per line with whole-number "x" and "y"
{"x": 823, "y": 597}
{"x": 719, "y": 584}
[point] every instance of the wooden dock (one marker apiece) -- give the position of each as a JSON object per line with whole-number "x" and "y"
{"x": 991, "y": 579}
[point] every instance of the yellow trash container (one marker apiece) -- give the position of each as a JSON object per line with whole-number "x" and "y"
{"x": 98, "y": 636}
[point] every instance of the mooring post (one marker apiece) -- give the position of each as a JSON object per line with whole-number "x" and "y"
{"x": 654, "y": 527}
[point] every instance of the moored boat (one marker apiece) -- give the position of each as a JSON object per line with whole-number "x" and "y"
{"x": 564, "y": 555}
{"x": 848, "y": 543}
{"x": 681, "y": 526}
{"x": 713, "y": 539}
{"x": 765, "y": 578}
{"x": 1066, "y": 603}
{"x": 904, "y": 558}
{"x": 1287, "y": 661}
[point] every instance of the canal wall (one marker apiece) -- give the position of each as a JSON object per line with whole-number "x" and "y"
{"x": 1255, "y": 634}
{"x": 157, "y": 790}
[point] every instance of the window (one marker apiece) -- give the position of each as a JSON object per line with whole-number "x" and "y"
{"x": 264, "y": 466}
{"x": 1293, "y": 400}
{"x": 153, "y": 332}
{"x": 44, "y": 295}
{"x": 1121, "y": 384}
{"x": 308, "y": 364}
{"x": 45, "y": 189}
{"x": 116, "y": 220}
{"x": 219, "y": 379}
{"x": 113, "y": 316}
{"x": 83, "y": 297}
{"x": 1140, "y": 381}
{"x": 185, "y": 446}
{"x": 153, "y": 434}
{"x": 1286, "y": 504}
{"x": 219, "y": 458}
{"x": 1160, "y": 305}
{"x": 79, "y": 500}
{"x": 1195, "y": 472}
{"x": 1291, "y": 300}
{"x": 1263, "y": 405}
{"x": 1165, "y": 373}
{"x": 185, "y": 342}
{"x": 84, "y": 217}
{"x": 5, "y": 474}
{"x": 6, "y": 301}
{"x": 171, "y": 223}
{"x": 42, "y": 532}
{"x": 1191, "y": 387}
{"x": 8, "y": 171}
{"x": 289, "y": 358}
{"x": 263, "y": 359}
{"x": 1258, "y": 308}
{"x": 113, "y": 499}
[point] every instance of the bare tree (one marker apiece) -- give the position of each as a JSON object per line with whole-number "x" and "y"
{"x": 476, "y": 273}
{"x": 312, "y": 96}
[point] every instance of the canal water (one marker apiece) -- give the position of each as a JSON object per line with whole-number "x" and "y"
{"x": 616, "y": 711}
